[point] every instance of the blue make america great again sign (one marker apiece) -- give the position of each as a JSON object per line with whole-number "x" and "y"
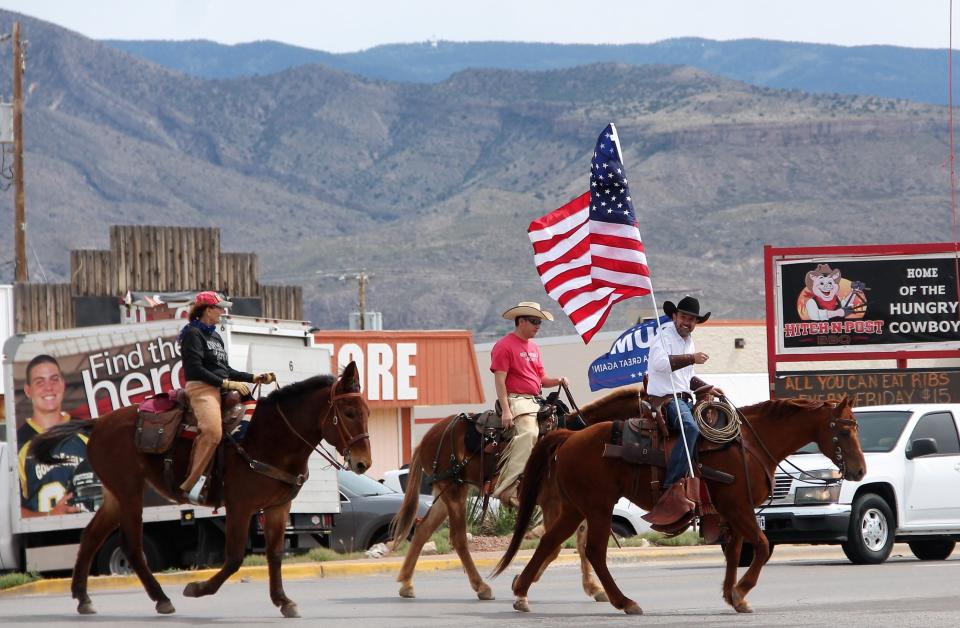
{"x": 626, "y": 362}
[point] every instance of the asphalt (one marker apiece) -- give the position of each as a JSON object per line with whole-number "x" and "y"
{"x": 391, "y": 564}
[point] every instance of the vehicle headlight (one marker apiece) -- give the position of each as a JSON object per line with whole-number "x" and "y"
{"x": 817, "y": 494}
{"x": 825, "y": 474}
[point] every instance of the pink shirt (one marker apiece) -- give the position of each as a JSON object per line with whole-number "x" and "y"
{"x": 520, "y": 360}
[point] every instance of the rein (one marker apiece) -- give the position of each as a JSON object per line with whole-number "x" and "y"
{"x": 801, "y": 474}
{"x": 342, "y": 431}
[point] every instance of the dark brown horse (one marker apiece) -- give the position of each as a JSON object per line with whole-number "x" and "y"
{"x": 434, "y": 456}
{"x": 567, "y": 475}
{"x": 286, "y": 427}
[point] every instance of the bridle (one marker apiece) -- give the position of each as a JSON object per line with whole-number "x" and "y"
{"x": 836, "y": 424}
{"x": 333, "y": 414}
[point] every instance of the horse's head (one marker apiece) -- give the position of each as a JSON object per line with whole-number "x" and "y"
{"x": 837, "y": 439}
{"x": 345, "y": 422}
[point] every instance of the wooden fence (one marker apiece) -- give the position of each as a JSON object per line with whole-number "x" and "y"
{"x": 152, "y": 258}
{"x": 42, "y": 306}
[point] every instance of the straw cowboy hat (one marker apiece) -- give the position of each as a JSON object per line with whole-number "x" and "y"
{"x": 527, "y": 308}
{"x": 687, "y": 305}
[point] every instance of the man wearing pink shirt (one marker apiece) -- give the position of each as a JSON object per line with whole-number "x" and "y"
{"x": 519, "y": 377}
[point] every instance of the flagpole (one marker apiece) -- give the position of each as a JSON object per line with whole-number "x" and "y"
{"x": 656, "y": 313}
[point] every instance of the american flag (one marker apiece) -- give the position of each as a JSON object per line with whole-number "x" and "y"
{"x": 588, "y": 252}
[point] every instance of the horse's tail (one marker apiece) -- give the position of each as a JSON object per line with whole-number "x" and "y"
{"x": 533, "y": 478}
{"x": 43, "y": 445}
{"x": 403, "y": 521}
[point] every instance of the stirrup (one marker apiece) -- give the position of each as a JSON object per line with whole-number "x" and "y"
{"x": 194, "y": 495}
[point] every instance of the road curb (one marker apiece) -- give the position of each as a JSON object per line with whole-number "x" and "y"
{"x": 334, "y": 569}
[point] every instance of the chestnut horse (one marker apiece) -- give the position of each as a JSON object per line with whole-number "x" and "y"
{"x": 286, "y": 427}
{"x": 435, "y": 455}
{"x": 567, "y": 474}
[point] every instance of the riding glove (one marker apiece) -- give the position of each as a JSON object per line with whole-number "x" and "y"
{"x": 265, "y": 378}
{"x": 240, "y": 387}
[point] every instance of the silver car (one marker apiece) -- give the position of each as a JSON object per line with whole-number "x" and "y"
{"x": 366, "y": 509}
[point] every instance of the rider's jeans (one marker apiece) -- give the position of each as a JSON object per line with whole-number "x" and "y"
{"x": 677, "y": 467}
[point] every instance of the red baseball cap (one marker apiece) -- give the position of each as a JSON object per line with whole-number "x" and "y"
{"x": 212, "y": 298}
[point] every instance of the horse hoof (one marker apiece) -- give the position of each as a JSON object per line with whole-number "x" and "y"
{"x": 633, "y": 609}
{"x": 600, "y": 596}
{"x": 192, "y": 590}
{"x": 164, "y": 607}
{"x": 289, "y": 610}
{"x": 739, "y": 604}
{"x": 485, "y": 593}
{"x": 86, "y": 608}
{"x": 407, "y": 591}
{"x": 522, "y": 606}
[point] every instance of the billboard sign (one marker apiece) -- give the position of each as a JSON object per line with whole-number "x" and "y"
{"x": 866, "y": 303}
{"x": 872, "y": 387}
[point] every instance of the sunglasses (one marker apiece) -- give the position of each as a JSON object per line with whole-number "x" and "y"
{"x": 533, "y": 320}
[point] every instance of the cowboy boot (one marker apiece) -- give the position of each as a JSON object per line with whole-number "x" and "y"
{"x": 200, "y": 457}
{"x": 672, "y": 506}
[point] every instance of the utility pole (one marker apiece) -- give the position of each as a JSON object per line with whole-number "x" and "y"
{"x": 362, "y": 278}
{"x": 19, "y": 213}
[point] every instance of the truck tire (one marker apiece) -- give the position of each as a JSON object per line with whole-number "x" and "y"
{"x": 622, "y": 529}
{"x": 111, "y": 561}
{"x": 937, "y": 549}
{"x": 871, "y": 534}
{"x": 746, "y": 553}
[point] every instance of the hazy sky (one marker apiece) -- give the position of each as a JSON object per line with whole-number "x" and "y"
{"x": 349, "y": 26}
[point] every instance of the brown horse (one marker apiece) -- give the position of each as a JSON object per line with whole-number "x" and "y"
{"x": 567, "y": 474}
{"x": 286, "y": 427}
{"x": 441, "y": 448}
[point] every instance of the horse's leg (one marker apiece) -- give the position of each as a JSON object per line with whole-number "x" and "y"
{"x": 560, "y": 530}
{"x": 732, "y": 554}
{"x": 590, "y": 585}
{"x": 745, "y": 525}
{"x": 274, "y": 524}
{"x": 238, "y": 524}
{"x": 422, "y": 533}
{"x": 551, "y": 511}
{"x": 598, "y": 533}
{"x": 131, "y": 529}
{"x": 456, "y": 501}
{"x": 105, "y": 521}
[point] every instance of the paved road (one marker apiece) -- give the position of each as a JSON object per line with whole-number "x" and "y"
{"x": 815, "y": 589}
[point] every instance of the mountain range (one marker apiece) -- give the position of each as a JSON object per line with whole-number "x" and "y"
{"x": 887, "y": 71}
{"x": 430, "y": 186}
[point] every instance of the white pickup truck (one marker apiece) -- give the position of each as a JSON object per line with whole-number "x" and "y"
{"x": 911, "y": 492}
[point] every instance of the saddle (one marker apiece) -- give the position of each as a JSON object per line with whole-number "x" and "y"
{"x": 646, "y": 441}
{"x": 165, "y": 416}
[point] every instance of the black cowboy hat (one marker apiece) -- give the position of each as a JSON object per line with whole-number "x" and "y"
{"x": 687, "y": 305}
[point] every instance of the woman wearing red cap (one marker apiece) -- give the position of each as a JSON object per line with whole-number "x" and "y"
{"x": 207, "y": 373}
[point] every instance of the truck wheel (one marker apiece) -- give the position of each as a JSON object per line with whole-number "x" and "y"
{"x": 746, "y": 553}
{"x": 111, "y": 561}
{"x": 871, "y": 534}
{"x": 622, "y": 529}
{"x": 939, "y": 549}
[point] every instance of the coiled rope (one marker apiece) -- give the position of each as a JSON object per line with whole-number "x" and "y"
{"x": 729, "y": 429}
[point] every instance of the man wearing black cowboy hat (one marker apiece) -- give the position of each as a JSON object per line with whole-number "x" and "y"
{"x": 671, "y": 370}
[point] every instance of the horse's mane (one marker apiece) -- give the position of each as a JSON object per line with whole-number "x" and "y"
{"x": 776, "y": 409}
{"x": 627, "y": 391}
{"x": 298, "y": 388}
